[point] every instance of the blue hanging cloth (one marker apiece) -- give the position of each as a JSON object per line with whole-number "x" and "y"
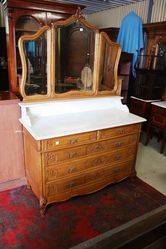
{"x": 130, "y": 36}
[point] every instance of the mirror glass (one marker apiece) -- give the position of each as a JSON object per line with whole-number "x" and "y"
{"x": 36, "y": 62}
{"x": 25, "y": 25}
{"x": 107, "y": 65}
{"x": 74, "y": 58}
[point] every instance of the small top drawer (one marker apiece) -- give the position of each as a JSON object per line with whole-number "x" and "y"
{"x": 119, "y": 131}
{"x": 72, "y": 140}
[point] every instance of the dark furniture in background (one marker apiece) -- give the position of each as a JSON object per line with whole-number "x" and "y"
{"x": 150, "y": 82}
{"x": 26, "y": 17}
{"x": 157, "y": 121}
{"x": 4, "y": 82}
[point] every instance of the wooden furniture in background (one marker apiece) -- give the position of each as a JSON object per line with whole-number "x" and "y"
{"x": 26, "y": 17}
{"x": 4, "y": 82}
{"x": 12, "y": 172}
{"x": 158, "y": 121}
{"x": 150, "y": 82}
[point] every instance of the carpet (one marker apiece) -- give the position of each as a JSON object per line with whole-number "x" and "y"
{"x": 69, "y": 223}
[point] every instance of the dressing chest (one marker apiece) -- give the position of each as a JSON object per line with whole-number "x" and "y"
{"x": 78, "y": 137}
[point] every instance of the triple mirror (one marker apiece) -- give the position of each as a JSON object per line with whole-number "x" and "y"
{"x": 69, "y": 58}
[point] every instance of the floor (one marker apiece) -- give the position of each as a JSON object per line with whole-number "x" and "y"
{"x": 151, "y": 165}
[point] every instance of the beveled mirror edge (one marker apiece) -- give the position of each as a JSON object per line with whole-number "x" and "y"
{"x": 21, "y": 41}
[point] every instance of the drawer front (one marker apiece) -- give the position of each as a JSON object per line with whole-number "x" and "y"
{"x": 119, "y": 131}
{"x": 108, "y": 145}
{"x": 115, "y": 173}
{"x": 72, "y": 168}
{"x": 55, "y": 157}
{"x": 73, "y": 140}
{"x": 159, "y": 121}
{"x": 119, "y": 171}
{"x": 64, "y": 186}
{"x": 158, "y": 110}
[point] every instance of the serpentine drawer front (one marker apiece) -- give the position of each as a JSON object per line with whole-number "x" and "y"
{"x": 77, "y": 166}
{"x": 57, "y": 187}
{"x": 60, "y": 168}
{"x": 57, "y": 156}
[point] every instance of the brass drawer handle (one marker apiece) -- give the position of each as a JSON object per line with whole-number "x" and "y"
{"x": 73, "y": 155}
{"x": 73, "y": 141}
{"x": 71, "y": 185}
{"x": 117, "y": 157}
{"x": 118, "y": 144}
{"x": 72, "y": 169}
{"x": 121, "y": 131}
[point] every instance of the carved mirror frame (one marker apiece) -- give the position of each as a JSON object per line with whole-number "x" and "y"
{"x": 51, "y": 61}
{"x": 75, "y": 93}
{"x": 117, "y": 85}
{"x": 21, "y": 41}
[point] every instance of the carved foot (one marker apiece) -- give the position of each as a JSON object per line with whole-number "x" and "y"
{"x": 43, "y": 205}
{"x": 28, "y": 185}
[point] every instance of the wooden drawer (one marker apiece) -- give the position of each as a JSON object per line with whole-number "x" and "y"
{"x": 119, "y": 131}
{"x": 108, "y": 145}
{"x": 115, "y": 173}
{"x": 55, "y": 157}
{"x": 76, "y": 167}
{"x": 73, "y": 140}
{"x": 64, "y": 186}
{"x": 158, "y": 121}
{"x": 158, "y": 110}
{"x": 119, "y": 171}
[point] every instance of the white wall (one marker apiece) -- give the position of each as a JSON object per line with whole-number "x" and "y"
{"x": 113, "y": 17}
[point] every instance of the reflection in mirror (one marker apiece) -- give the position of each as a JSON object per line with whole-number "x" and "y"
{"x": 25, "y": 25}
{"x": 108, "y": 59}
{"x": 75, "y": 45}
{"x": 36, "y": 62}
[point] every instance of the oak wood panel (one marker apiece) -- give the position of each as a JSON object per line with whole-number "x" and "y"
{"x": 11, "y": 142}
{"x": 33, "y": 167}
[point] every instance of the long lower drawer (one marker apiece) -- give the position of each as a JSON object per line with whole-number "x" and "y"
{"x": 114, "y": 173}
{"x": 77, "y": 167}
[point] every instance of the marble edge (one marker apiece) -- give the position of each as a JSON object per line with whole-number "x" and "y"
{"x": 160, "y": 104}
{"x": 38, "y": 138}
{"x": 146, "y": 100}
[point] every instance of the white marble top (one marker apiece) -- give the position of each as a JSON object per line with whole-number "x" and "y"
{"x": 45, "y": 120}
{"x": 160, "y": 104}
{"x": 146, "y": 100}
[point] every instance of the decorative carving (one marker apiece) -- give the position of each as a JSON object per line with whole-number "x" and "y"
{"x": 79, "y": 14}
{"x": 50, "y": 158}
